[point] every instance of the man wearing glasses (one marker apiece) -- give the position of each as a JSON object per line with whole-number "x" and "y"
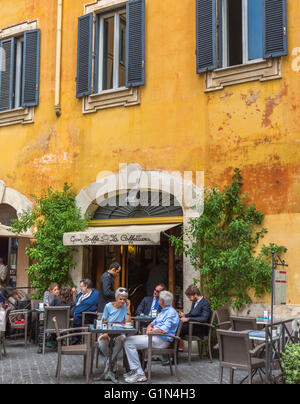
{"x": 151, "y": 302}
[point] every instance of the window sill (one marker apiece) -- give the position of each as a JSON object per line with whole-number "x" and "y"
{"x": 262, "y": 70}
{"x": 115, "y": 98}
{"x": 17, "y": 116}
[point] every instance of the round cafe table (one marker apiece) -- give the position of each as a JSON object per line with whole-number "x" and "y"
{"x": 113, "y": 332}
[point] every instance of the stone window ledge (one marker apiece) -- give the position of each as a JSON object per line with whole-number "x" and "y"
{"x": 262, "y": 70}
{"x": 17, "y": 116}
{"x": 115, "y": 98}
{"x": 101, "y": 5}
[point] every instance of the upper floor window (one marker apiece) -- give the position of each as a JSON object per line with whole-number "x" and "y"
{"x": 111, "y": 48}
{"x": 19, "y": 70}
{"x": 242, "y": 32}
{"x": 237, "y": 34}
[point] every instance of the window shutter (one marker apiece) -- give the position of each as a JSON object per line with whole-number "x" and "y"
{"x": 206, "y": 32}
{"x": 84, "y": 56}
{"x": 6, "y": 73}
{"x": 275, "y": 28}
{"x": 135, "y": 43}
{"x": 31, "y": 68}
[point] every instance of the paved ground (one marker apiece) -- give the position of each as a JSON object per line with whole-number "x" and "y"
{"x": 26, "y": 366}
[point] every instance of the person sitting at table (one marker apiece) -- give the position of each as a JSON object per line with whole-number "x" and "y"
{"x": 51, "y": 295}
{"x": 200, "y": 312}
{"x": 115, "y": 312}
{"x": 165, "y": 323}
{"x": 86, "y": 300}
{"x": 2, "y": 300}
{"x": 150, "y": 303}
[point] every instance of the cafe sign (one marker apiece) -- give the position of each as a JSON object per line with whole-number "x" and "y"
{"x": 122, "y": 235}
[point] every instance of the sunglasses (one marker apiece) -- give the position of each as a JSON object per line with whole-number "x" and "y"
{"x": 157, "y": 291}
{"x": 122, "y": 290}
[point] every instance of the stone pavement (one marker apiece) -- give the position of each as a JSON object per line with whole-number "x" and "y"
{"x": 26, "y": 366}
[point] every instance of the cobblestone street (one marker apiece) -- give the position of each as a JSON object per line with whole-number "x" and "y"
{"x": 26, "y": 366}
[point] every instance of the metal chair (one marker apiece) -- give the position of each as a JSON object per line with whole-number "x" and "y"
{"x": 171, "y": 351}
{"x": 243, "y": 323}
{"x": 235, "y": 353}
{"x": 62, "y": 315}
{"x": 18, "y": 321}
{"x": 84, "y": 349}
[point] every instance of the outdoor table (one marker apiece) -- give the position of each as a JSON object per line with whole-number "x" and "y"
{"x": 140, "y": 319}
{"x": 113, "y": 332}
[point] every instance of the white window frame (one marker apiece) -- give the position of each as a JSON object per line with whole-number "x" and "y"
{"x": 18, "y": 68}
{"x": 245, "y": 43}
{"x": 102, "y": 17}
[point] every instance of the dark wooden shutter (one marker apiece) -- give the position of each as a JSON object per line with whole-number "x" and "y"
{"x": 275, "y": 28}
{"x": 31, "y": 68}
{"x": 135, "y": 43}
{"x": 84, "y": 56}
{"x": 7, "y": 73}
{"x": 206, "y": 32}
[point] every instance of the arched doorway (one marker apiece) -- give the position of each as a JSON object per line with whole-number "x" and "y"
{"x": 94, "y": 199}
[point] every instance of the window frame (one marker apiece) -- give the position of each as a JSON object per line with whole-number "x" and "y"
{"x": 101, "y": 16}
{"x": 224, "y": 57}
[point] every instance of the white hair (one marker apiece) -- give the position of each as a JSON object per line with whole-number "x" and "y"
{"x": 167, "y": 297}
{"x": 122, "y": 292}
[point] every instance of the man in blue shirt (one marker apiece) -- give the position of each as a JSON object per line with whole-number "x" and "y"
{"x": 86, "y": 300}
{"x": 166, "y": 323}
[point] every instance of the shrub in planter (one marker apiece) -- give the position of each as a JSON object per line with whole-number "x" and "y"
{"x": 291, "y": 364}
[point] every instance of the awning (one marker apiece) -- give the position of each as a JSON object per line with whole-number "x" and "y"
{"x": 118, "y": 235}
{"x": 5, "y": 232}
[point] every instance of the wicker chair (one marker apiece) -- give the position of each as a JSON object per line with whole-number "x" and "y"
{"x": 171, "y": 351}
{"x": 85, "y": 349}
{"x": 87, "y": 314}
{"x": 243, "y": 323}
{"x": 18, "y": 321}
{"x": 235, "y": 353}
{"x": 192, "y": 338}
{"x": 62, "y": 315}
{"x": 2, "y": 344}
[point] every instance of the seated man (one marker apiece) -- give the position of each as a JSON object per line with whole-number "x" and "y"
{"x": 166, "y": 323}
{"x": 115, "y": 312}
{"x": 86, "y": 300}
{"x": 200, "y": 312}
{"x": 151, "y": 302}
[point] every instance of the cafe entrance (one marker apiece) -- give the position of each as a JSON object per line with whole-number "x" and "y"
{"x": 137, "y": 235}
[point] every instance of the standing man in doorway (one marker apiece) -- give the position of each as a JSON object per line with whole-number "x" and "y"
{"x": 107, "y": 286}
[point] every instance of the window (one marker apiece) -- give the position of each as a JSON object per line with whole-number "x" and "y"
{"x": 242, "y": 32}
{"x": 19, "y": 71}
{"x": 240, "y": 40}
{"x": 111, "y": 54}
{"x": 112, "y": 51}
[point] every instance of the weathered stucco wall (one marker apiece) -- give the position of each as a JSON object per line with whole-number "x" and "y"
{"x": 253, "y": 126}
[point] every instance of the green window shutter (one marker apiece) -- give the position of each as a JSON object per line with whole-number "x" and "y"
{"x": 275, "y": 28}
{"x": 7, "y": 55}
{"x": 31, "y": 68}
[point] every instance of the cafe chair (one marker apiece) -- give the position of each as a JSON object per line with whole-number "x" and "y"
{"x": 235, "y": 353}
{"x": 190, "y": 338}
{"x": 18, "y": 323}
{"x": 84, "y": 349}
{"x": 62, "y": 315}
{"x": 86, "y": 315}
{"x": 243, "y": 323}
{"x": 2, "y": 344}
{"x": 170, "y": 351}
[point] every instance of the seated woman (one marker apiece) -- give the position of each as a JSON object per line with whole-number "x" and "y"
{"x": 51, "y": 296}
{"x": 116, "y": 312}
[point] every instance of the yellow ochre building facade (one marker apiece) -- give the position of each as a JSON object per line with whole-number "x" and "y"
{"x": 198, "y": 86}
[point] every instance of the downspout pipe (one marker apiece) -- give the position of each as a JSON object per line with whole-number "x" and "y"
{"x": 57, "y": 105}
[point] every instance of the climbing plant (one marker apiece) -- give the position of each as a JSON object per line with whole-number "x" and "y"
{"x": 221, "y": 245}
{"x": 54, "y": 213}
